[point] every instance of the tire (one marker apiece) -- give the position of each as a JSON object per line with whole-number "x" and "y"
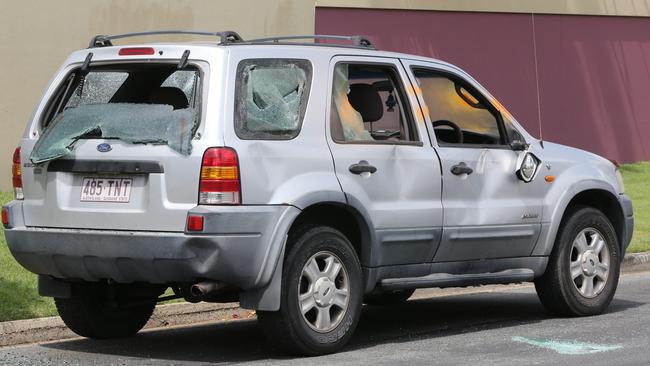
{"x": 575, "y": 282}
{"x": 388, "y": 298}
{"x": 89, "y": 314}
{"x": 310, "y": 334}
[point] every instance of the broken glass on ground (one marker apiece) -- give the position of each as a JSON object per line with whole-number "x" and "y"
{"x": 129, "y": 122}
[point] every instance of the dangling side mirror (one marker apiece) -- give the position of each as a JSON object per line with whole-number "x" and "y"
{"x": 518, "y": 145}
{"x": 527, "y": 167}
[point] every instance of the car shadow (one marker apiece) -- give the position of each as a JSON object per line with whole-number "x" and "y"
{"x": 242, "y": 341}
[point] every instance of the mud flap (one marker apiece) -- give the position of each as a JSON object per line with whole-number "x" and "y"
{"x": 51, "y": 287}
{"x": 266, "y": 298}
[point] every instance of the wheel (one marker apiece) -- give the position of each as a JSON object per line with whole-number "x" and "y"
{"x": 89, "y": 313}
{"x": 321, "y": 294}
{"x": 383, "y": 298}
{"x": 583, "y": 269}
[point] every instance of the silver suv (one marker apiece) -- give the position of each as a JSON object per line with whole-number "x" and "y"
{"x": 300, "y": 179}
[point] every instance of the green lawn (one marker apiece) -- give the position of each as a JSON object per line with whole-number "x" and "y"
{"x": 19, "y": 298}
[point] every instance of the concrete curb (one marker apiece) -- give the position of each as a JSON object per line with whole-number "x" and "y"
{"x": 636, "y": 262}
{"x": 52, "y": 328}
{"x": 49, "y": 329}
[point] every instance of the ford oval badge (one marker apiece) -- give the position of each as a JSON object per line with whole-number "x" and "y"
{"x": 104, "y": 147}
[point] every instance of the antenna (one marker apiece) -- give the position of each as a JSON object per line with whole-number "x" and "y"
{"x": 539, "y": 106}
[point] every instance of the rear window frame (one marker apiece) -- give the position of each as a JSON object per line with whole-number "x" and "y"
{"x": 45, "y": 112}
{"x": 305, "y": 64}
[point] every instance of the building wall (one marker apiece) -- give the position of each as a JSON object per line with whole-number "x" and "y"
{"x": 594, "y": 78}
{"x": 36, "y": 36}
{"x": 565, "y": 7}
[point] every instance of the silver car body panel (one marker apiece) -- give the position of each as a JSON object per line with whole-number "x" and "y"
{"x": 402, "y": 198}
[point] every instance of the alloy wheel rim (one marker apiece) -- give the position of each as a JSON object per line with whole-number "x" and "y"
{"x": 589, "y": 263}
{"x": 323, "y": 291}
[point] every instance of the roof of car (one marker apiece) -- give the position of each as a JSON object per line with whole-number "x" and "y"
{"x": 356, "y": 44}
{"x": 329, "y": 48}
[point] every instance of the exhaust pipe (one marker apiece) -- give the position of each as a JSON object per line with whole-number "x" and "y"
{"x": 203, "y": 291}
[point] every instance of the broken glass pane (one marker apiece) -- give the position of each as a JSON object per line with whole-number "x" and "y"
{"x": 351, "y": 120}
{"x": 97, "y": 87}
{"x": 271, "y": 98}
{"x": 130, "y": 122}
{"x": 184, "y": 80}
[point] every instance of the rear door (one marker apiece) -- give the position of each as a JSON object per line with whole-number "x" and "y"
{"x": 116, "y": 149}
{"x": 488, "y": 211}
{"x": 383, "y": 159}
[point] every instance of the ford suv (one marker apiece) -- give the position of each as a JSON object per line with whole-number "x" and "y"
{"x": 300, "y": 179}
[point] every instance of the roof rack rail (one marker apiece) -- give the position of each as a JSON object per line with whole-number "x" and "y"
{"x": 359, "y": 41}
{"x": 105, "y": 41}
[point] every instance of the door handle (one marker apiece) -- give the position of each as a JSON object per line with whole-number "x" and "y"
{"x": 461, "y": 168}
{"x": 362, "y": 167}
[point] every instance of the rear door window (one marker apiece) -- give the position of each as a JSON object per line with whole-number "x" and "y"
{"x": 140, "y": 104}
{"x": 369, "y": 105}
{"x": 271, "y": 98}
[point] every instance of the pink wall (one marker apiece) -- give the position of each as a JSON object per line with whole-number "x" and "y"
{"x": 594, "y": 72}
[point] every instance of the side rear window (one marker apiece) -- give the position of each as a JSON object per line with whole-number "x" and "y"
{"x": 271, "y": 98}
{"x": 369, "y": 105}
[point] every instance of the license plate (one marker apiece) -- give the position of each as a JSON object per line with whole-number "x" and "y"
{"x": 106, "y": 189}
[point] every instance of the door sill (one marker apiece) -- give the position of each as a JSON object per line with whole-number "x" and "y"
{"x": 460, "y": 280}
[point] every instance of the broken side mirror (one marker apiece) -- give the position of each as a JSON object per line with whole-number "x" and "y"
{"x": 527, "y": 167}
{"x": 518, "y": 145}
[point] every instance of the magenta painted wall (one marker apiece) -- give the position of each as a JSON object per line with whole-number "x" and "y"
{"x": 594, "y": 72}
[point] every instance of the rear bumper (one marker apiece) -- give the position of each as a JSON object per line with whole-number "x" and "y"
{"x": 240, "y": 246}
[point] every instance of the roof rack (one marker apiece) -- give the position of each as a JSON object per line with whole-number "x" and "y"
{"x": 358, "y": 41}
{"x": 225, "y": 37}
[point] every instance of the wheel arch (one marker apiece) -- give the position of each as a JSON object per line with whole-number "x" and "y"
{"x": 351, "y": 221}
{"x": 343, "y": 217}
{"x": 598, "y": 196}
{"x": 605, "y": 202}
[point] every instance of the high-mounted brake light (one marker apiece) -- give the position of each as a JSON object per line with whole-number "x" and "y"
{"x": 220, "y": 182}
{"x": 136, "y": 51}
{"x": 16, "y": 176}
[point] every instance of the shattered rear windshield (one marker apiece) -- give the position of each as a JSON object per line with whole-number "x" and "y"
{"x": 139, "y": 104}
{"x": 271, "y": 98}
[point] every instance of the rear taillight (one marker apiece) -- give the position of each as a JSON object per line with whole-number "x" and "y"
{"x": 16, "y": 176}
{"x": 5, "y": 216}
{"x": 220, "y": 183}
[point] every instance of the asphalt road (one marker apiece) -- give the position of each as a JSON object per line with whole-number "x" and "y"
{"x": 506, "y": 326}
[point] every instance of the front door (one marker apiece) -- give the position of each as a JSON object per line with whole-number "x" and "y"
{"x": 383, "y": 159}
{"x": 488, "y": 212}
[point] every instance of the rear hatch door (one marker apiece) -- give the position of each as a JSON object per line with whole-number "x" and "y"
{"x": 118, "y": 150}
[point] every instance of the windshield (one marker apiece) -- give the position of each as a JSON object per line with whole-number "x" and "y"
{"x": 140, "y": 104}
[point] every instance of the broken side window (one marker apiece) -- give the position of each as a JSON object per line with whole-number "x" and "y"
{"x": 140, "y": 104}
{"x": 271, "y": 98}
